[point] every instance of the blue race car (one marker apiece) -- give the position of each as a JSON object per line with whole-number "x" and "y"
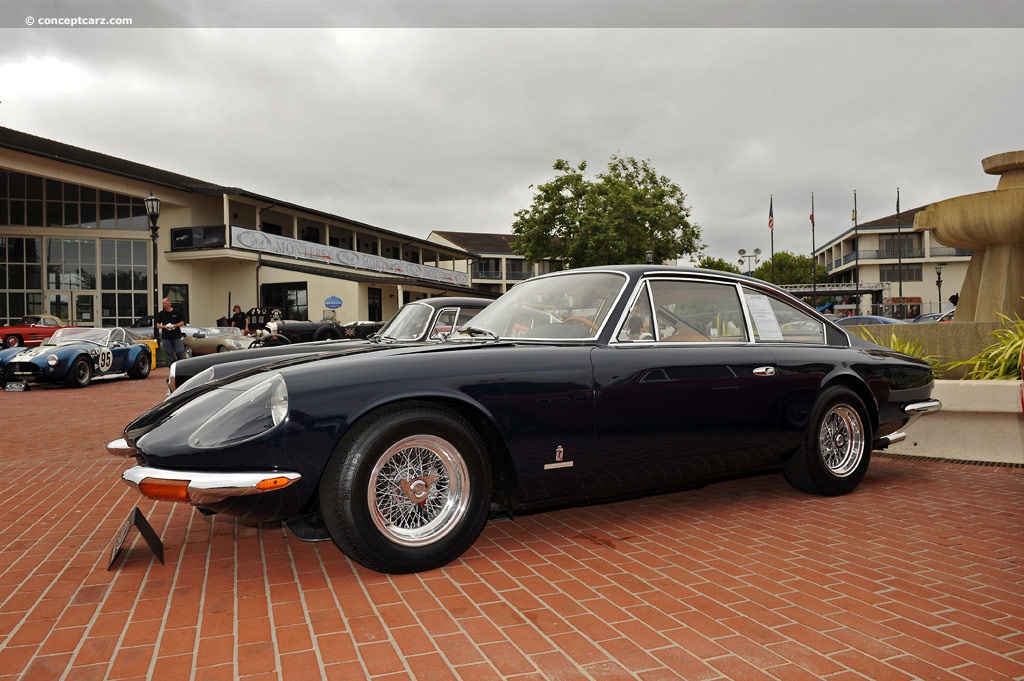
{"x": 75, "y": 356}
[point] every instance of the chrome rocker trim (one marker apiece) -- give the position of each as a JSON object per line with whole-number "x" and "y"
{"x": 209, "y": 488}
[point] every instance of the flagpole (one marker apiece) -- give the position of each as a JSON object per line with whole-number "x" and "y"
{"x": 814, "y": 261}
{"x": 899, "y": 252}
{"x": 771, "y": 230}
{"x": 856, "y": 254}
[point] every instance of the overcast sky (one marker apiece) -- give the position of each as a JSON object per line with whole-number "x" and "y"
{"x": 415, "y": 128}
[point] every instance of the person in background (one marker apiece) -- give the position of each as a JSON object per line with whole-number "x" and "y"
{"x": 240, "y": 320}
{"x": 170, "y": 322}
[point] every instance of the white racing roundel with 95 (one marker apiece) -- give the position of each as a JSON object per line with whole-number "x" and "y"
{"x": 105, "y": 360}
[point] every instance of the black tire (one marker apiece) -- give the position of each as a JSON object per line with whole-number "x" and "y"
{"x": 326, "y": 333}
{"x": 12, "y": 341}
{"x": 80, "y": 373}
{"x": 837, "y": 446}
{"x": 141, "y": 366}
{"x": 386, "y": 519}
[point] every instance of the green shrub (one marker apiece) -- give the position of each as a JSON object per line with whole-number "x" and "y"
{"x": 914, "y": 348}
{"x": 1001, "y": 360}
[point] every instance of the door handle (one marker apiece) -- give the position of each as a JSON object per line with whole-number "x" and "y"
{"x": 764, "y": 371}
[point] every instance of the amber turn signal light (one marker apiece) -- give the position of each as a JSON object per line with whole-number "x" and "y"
{"x": 165, "y": 490}
{"x": 272, "y": 483}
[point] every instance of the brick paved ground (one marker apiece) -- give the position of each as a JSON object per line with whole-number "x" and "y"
{"x": 917, "y": 575}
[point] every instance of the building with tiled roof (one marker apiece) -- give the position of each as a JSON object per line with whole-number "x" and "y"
{"x": 495, "y": 267}
{"x": 901, "y": 273}
{"x": 75, "y": 241}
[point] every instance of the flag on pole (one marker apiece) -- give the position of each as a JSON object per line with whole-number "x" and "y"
{"x": 771, "y": 214}
{"x": 812, "y": 212}
{"x": 897, "y": 201}
{"x": 853, "y": 215}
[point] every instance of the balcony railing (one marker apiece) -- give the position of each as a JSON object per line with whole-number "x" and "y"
{"x": 197, "y": 238}
{"x": 518, "y": 276}
{"x": 486, "y": 274}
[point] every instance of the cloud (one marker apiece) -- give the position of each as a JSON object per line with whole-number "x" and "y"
{"x": 420, "y": 129}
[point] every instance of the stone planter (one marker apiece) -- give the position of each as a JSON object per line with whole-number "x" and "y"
{"x": 980, "y": 421}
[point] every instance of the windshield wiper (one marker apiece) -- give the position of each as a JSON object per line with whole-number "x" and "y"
{"x": 475, "y": 331}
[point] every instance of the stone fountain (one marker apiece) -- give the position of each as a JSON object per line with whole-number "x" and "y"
{"x": 991, "y": 224}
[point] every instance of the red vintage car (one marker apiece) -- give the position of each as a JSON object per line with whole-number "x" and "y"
{"x": 30, "y": 330}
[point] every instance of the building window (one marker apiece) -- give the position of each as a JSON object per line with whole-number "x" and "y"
{"x": 124, "y": 281}
{"x": 70, "y": 264}
{"x": 21, "y": 276}
{"x": 900, "y": 246}
{"x": 487, "y": 268}
{"x": 290, "y": 297}
{"x": 911, "y": 272}
{"x": 34, "y": 201}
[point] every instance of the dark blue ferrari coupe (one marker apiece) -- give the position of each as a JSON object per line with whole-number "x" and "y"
{"x": 74, "y": 356}
{"x": 575, "y": 387}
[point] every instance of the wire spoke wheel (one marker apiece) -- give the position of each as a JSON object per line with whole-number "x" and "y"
{"x": 841, "y": 440}
{"x": 418, "y": 490}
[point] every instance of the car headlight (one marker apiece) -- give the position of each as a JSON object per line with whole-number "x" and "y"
{"x": 255, "y": 412}
{"x": 52, "y": 360}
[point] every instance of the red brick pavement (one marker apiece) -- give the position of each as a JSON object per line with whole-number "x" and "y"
{"x": 917, "y": 575}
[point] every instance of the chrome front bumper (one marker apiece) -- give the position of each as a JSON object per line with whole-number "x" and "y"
{"x": 197, "y": 487}
{"x": 207, "y": 488}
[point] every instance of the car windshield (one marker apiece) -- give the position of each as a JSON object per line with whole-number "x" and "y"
{"x": 64, "y": 336}
{"x": 573, "y": 305}
{"x": 409, "y": 323}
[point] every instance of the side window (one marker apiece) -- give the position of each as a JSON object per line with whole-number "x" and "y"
{"x": 445, "y": 322}
{"x": 696, "y": 311}
{"x": 639, "y": 324}
{"x": 465, "y": 314}
{"x": 777, "y": 321}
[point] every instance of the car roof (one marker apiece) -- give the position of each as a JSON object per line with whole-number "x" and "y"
{"x": 453, "y": 301}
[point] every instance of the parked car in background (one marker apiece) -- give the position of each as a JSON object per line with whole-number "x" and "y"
{"x": 551, "y": 396}
{"x": 30, "y": 330}
{"x": 205, "y": 340}
{"x": 422, "y": 321}
{"x": 867, "y": 320}
{"x": 287, "y": 331}
{"x": 75, "y": 356}
{"x": 933, "y": 317}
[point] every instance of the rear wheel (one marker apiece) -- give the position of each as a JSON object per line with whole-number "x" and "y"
{"x": 407, "y": 490}
{"x": 836, "y": 448}
{"x": 188, "y": 351}
{"x": 80, "y": 374}
{"x": 12, "y": 341}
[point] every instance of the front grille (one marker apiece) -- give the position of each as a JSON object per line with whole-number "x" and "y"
{"x": 24, "y": 370}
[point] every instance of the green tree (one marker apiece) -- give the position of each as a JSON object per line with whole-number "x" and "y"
{"x": 615, "y": 219}
{"x": 709, "y": 263}
{"x": 790, "y": 269}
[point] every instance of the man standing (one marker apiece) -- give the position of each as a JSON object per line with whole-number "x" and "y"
{"x": 170, "y": 322}
{"x": 240, "y": 320}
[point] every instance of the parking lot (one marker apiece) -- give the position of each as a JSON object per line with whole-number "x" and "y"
{"x": 919, "y": 574}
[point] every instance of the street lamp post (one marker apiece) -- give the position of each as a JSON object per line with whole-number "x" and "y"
{"x": 755, "y": 256}
{"x": 938, "y": 283}
{"x": 153, "y": 210}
